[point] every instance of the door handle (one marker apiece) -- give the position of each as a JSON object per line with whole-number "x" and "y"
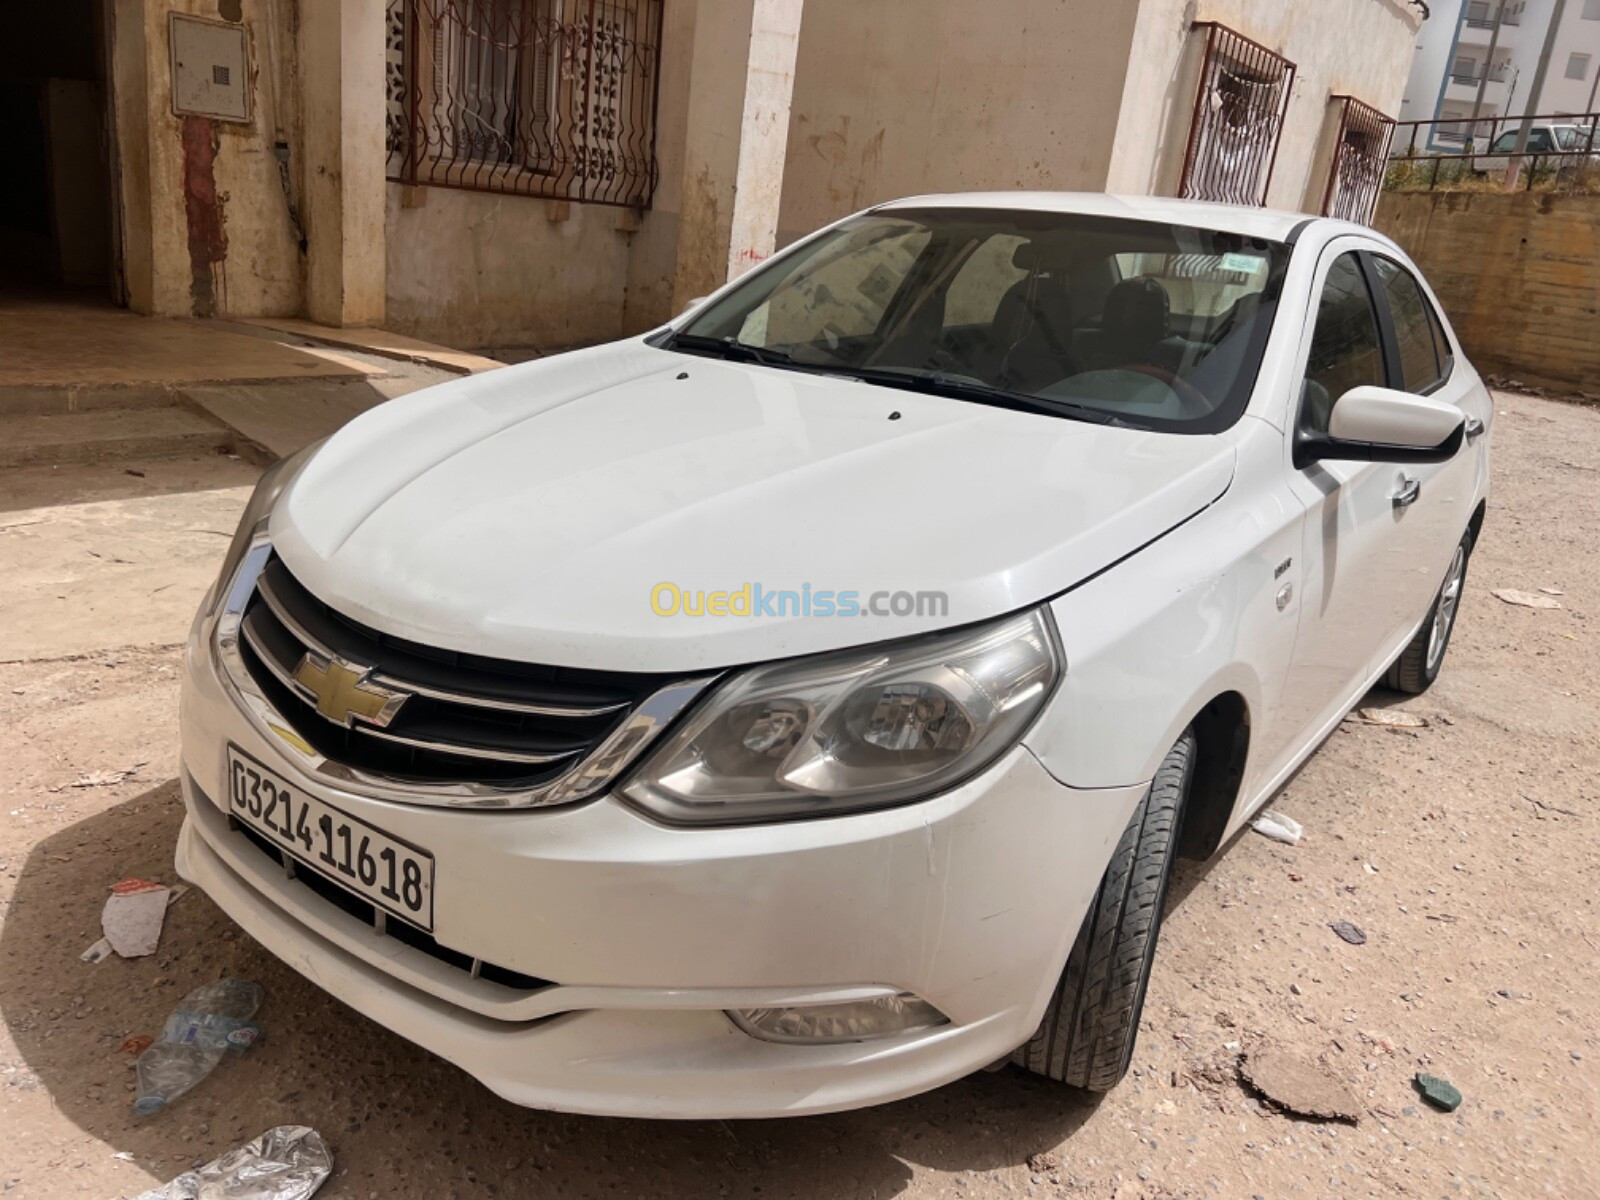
{"x": 1474, "y": 428}
{"x": 1410, "y": 489}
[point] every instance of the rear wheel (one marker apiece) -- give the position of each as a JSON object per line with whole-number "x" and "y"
{"x": 1086, "y": 1038}
{"x": 1419, "y": 663}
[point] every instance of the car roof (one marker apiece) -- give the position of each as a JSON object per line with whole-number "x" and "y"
{"x": 1272, "y": 224}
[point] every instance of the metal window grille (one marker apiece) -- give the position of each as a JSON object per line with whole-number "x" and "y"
{"x": 1360, "y": 157}
{"x": 1238, "y": 118}
{"x": 553, "y": 98}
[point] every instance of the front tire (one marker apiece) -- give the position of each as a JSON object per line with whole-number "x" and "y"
{"x": 1418, "y": 665}
{"x": 1086, "y": 1038}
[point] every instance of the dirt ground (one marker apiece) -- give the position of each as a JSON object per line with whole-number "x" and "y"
{"x": 1467, "y": 850}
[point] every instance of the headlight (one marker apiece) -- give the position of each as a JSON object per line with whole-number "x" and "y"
{"x": 853, "y": 730}
{"x": 268, "y": 488}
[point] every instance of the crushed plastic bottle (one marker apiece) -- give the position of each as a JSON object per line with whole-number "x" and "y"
{"x": 212, "y": 1020}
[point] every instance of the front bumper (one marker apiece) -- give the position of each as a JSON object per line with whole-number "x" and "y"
{"x": 969, "y": 900}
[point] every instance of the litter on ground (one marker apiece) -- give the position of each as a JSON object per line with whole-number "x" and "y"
{"x": 132, "y": 921}
{"x": 212, "y": 1020}
{"x": 288, "y": 1162}
{"x": 132, "y": 917}
{"x": 1440, "y": 1093}
{"x": 1525, "y": 599}
{"x": 1280, "y": 828}
{"x": 1393, "y": 717}
{"x": 1353, "y": 934}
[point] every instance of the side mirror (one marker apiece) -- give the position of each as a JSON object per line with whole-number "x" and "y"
{"x": 1374, "y": 424}
{"x": 693, "y": 304}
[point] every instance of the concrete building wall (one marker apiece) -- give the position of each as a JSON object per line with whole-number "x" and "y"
{"x": 1518, "y": 274}
{"x": 1432, "y": 57}
{"x": 206, "y": 223}
{"x": 1579, "y": 35}
{"x": 1350, "y": 47}
{"x": 1430, "y": 96}
{"x": 653, "y": 251}
{"x": 475, "y": 269}
{"x": 899, "y": 97}
{"x": 478, "y": 269}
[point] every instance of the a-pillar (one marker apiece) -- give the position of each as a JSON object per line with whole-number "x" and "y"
{"x": 342, "y": 62}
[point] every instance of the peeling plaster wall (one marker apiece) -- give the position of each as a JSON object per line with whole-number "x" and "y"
{"x": 475, "y": 269}
{"x": 206, "y": 225}
{"x": 478, "y": 269}
{"x": 899, "y": 97}
{"x": 652, "y": 257}
{"x": 1351, "y": 47}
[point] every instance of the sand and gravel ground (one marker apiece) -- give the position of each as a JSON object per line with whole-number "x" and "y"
{"x": 1468, "y": 850}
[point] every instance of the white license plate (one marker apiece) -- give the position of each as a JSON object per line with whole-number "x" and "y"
{"x": 394, "y": 875}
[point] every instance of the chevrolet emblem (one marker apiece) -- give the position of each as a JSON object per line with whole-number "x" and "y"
{"x": 343, "y": 693}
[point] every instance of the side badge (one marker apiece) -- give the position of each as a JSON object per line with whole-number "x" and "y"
{"x": 1282, "y": 567}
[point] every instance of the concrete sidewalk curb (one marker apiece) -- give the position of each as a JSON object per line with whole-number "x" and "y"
{"x": 380, "y": 342}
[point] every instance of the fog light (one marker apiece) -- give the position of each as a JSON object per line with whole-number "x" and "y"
{"x": 823, "y": 1024}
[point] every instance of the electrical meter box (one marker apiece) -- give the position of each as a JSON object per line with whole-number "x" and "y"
{"x": 210, "y": 69}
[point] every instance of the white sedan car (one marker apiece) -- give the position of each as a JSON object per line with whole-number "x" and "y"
{"x": 803, "y": 706}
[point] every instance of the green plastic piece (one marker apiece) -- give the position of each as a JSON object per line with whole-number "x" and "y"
{"x": 1440, "y": 1093}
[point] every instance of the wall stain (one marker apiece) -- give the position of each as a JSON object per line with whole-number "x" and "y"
{"x": 208, "y": 237}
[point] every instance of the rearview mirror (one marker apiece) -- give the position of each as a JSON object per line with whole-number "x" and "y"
{"x": 1375, "y": 424}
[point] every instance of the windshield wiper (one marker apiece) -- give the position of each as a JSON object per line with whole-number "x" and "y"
{"x": 937, "y": 383}
{"x": 732, "y": 349}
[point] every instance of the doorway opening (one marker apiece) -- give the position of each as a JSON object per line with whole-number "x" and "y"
{"x": 57, "y": 238}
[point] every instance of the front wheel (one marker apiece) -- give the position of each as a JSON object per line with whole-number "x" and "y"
{"x": 1086, "y": 1038}
{"x": 1419, "y": 663}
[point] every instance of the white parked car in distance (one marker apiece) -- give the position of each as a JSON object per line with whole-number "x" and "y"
{"x": 1544, "y": 139}
{"x": 803, "y": 706}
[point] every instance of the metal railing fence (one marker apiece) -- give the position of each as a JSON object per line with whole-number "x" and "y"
{"x": 1458, "y": 153}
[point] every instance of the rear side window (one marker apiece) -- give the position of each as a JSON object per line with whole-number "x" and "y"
{"x": 1441, "y": 343}
{"x": 1421, "y": 366}
{"x": 1346, "y": 351}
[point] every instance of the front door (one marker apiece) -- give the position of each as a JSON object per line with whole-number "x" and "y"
{"x": 1356, "y": 571}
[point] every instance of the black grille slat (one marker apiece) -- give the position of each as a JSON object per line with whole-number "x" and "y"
{"x": 367, "y": 913}
{"x": 283, "y": 621}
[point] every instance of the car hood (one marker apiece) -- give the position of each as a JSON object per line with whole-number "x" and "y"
{"x": 533, "y": 512}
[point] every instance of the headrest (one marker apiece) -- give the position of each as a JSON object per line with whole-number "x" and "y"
{"x": 1137, "y": 310}
{"x": 1039, "y": 256}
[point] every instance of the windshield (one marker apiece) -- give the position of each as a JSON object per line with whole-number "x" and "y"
{"x": 1131, "y": 322}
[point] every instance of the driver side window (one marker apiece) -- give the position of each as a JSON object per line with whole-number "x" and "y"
{"x": 1346, "y": 350}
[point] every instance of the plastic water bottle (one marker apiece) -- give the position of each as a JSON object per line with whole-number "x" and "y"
{"x": 212, "y": 1021}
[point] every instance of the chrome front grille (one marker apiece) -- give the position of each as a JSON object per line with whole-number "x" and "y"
{"x": 442, "y": 726}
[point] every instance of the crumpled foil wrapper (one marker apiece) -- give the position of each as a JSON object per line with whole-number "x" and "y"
{"x": 287, "y": 1163}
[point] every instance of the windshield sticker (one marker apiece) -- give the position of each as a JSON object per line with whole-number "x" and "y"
{"x": 1249, "y": 264}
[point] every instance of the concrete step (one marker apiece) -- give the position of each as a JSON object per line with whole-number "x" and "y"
{"x": 274, "y": 421}
{"x": 29, "y": 401}
{"x": 102, "y": 434}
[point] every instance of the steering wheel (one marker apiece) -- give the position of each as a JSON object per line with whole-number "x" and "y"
{"x": 1190, "y": 398}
